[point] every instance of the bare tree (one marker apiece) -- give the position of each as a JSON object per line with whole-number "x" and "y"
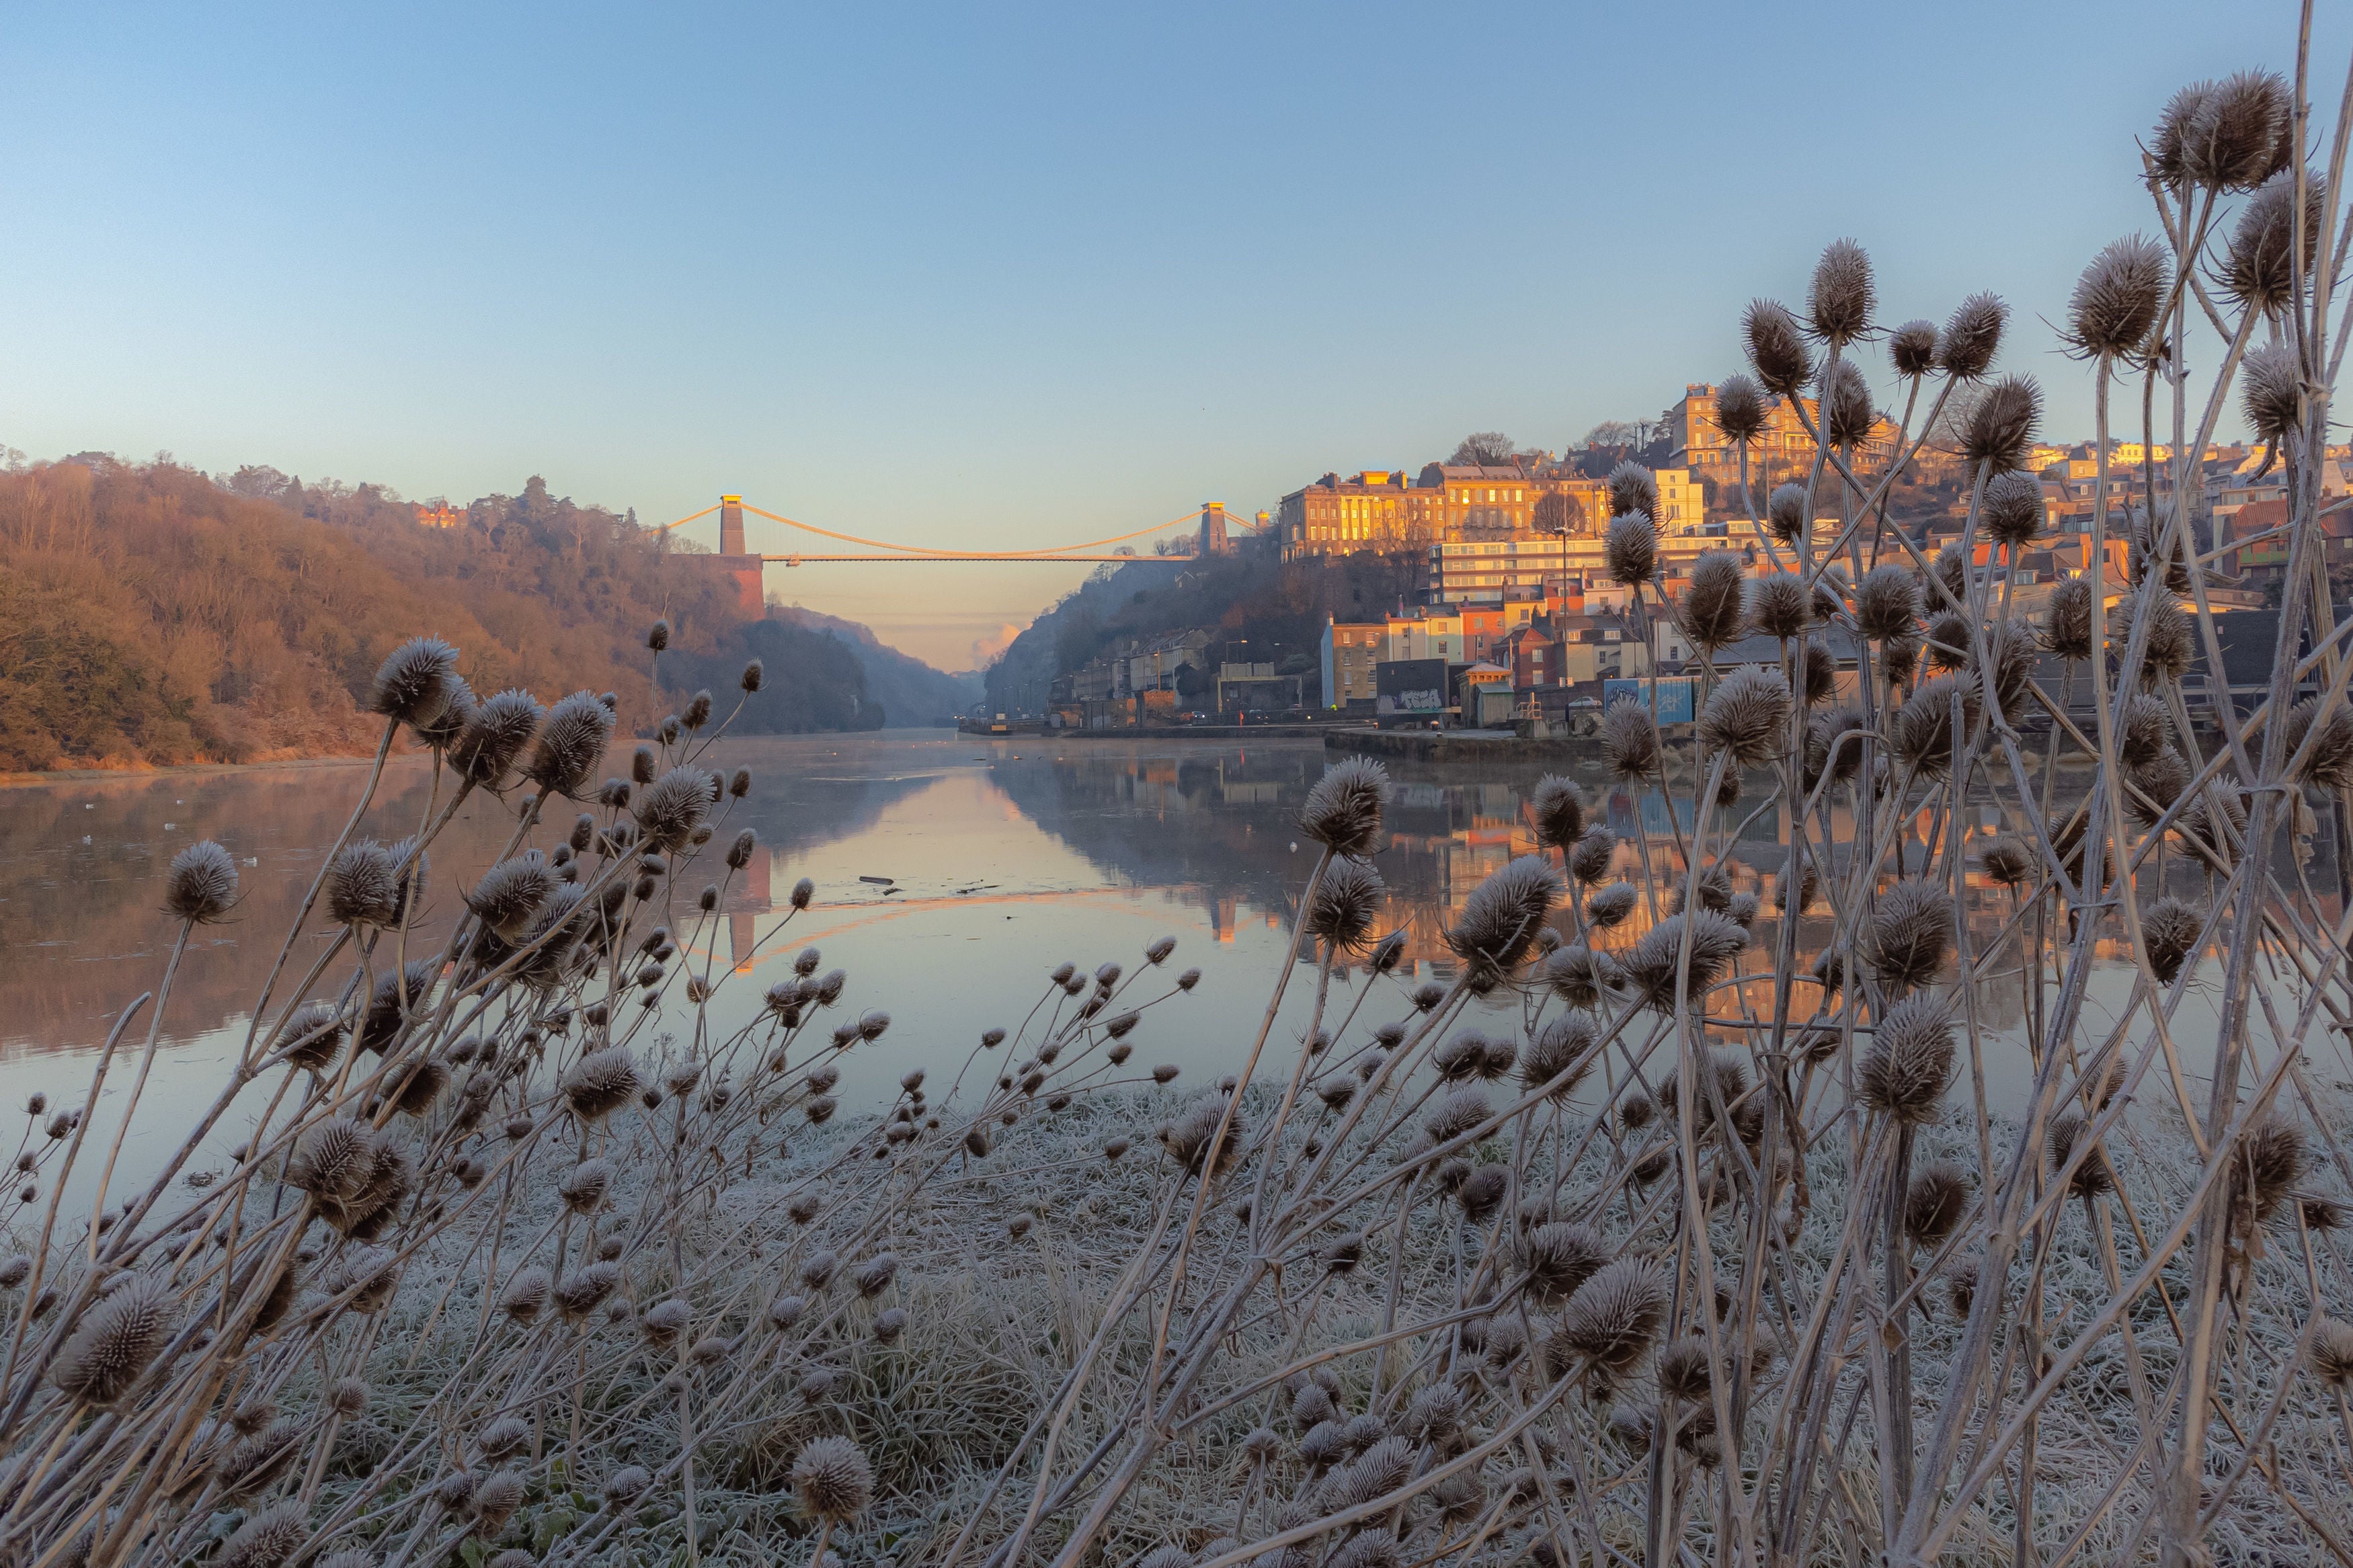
{"x": 1483, "y": 448}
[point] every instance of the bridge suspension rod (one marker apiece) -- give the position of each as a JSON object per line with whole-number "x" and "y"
{"x": 997, "y": 560}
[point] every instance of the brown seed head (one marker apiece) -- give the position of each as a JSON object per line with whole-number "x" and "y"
{"x": 1839, "y": 298}
{"x": 1777, "y": 349}
{"x": 1746, "y": 716}
{"x": 1910, "y": 1062}
{"x": 114, "y": 1341}
{"x": 1630, "y": 549}
{"x": 1614, "y": 1316}
{"x": 833, "y": 1481}
{"x": 1912, "y": 348}
{"x": 200, "y": 887}
{"x": 1972, "y": 335}
{"x": 1739, "y": 409}
{"x": 1343, "y": 807}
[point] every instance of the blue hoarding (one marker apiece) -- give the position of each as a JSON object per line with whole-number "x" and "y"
{"x": 1674, "y": 696}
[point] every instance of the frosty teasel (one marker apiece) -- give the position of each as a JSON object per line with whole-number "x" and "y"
{"x": 1668, "y": 1212}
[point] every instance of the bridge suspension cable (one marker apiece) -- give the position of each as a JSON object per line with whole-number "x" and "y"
{"x": 917, "y": 550}
{"x": 925, "y": 553}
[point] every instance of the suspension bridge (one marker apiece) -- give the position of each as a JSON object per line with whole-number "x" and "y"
{"x": 1212, "y": 539}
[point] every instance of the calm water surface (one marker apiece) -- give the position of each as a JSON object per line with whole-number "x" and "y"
{"x": 1003, "y": 860}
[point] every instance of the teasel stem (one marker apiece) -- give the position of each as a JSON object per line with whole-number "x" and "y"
{"x": 375, "y": 774}
{"x": 138, "y": 1086}
{"x": 25, "y": 1388}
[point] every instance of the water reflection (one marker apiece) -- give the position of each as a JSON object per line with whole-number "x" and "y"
{"x": 951, "y": 874}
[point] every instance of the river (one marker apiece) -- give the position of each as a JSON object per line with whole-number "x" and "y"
{"x": 951, "y": 873}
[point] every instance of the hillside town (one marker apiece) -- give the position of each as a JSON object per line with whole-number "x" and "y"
{"x": 1500, "y": 612}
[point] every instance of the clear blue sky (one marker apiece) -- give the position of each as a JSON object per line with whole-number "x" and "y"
{"x": 1012, "y": 276}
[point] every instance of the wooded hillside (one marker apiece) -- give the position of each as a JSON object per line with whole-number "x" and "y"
{"x": 152, "y": 614}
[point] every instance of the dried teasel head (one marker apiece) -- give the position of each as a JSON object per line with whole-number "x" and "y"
{"x": 1652, "y": 964}
{"x": 1785, "y": 512}
{"x": 1833, "y": 746}
{"x": 832, "y": 1479}
{"x": 1840, "y": 297}
{"x": 1777, "y": 606}
{"x": 1972, "y": 335}
{"x": 2261, "y": 270}
{"x": 1913, "y": 349}
{"x": 311, "y": 1035}
{"x": 1910, "y": 1063}
{"x": 1502, "y": 916}
{"x": 1932, "y": 1206}
{"x": 1740, "y": 409}
{"x": 1590, "y": 859}
{"x": 201, "y": 886}
{"x": 1998, "y": 427}
{"x": 583, "y": 1186}
{"x": 1715, "y": 612}
{"x": 412, "y": 686}
{"x": 115, "y": 1341}
{"x": 1609, "y": 907}
{"x": 2243, "y": 132}
{"x": 1746, "y": 716}
{"x": 2329, "y": 762}
{"x": 601, "y": 1083}
{"x": 2168, "y": 929}
{"x": 1924, "y": 737}
{"x": 494, "y": 735}
{"x": 2269, "y": 1160}
{"x": 2156, "y": 782}
{"x": 1630, "y": 550}
{"x": 583, "y": 1290}
{"x": 670, "y": 808}
{"x": 1578, "y": 974}
{"x": 1188, "y": 1137}
{"x": 1777, "y": 349}
{"x": 1910, "y": 932}
{"x": 2331, "y": 1353}
{"x": 2012, "y": 514}
{"x": 2172, "y": 146}
{"x": 570, "y": 743}
{"x": 1887, "y": 603}
{"x": 1684, "y": 1371}
{"x": 1558, "y": 809}
{"x": 2270, "y": 392}
{"x": 2168, "y": 646}
{"x": 2093, "y": 1176}
{"x": 1562, "y": 1046}
{"x": 1347, "y": 900}
{"x": 2007, "y": 859}
{"x": 1344, "y": 808}
{"x": 2067, "y": 628}
{"x": 1629, "y": 740}
{"x": 269, "y": 1539}
{"x": 1712, "y": 889}
{"x": 1635, "y": 489}
{"x": 1610, "y": 1322}
{"x": 2118, "y": 298}
{"x": 1847, "y": 413}
{"x": 526, "y": 1293}
{"x": 1557, "y": 1258}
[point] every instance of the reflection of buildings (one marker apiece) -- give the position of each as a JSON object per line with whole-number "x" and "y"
{"x": 751, "y": 901}
{"x": 1219, "y": 830}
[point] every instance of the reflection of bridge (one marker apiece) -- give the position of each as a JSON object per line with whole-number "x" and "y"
{"x": 1212, "y": 541}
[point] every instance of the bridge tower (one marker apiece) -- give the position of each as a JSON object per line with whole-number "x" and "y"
{"x": 746, "y": 568}
{"x": 1213, "y": 527}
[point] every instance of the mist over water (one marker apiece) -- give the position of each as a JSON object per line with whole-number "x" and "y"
{"x": 1004, "y": 858}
